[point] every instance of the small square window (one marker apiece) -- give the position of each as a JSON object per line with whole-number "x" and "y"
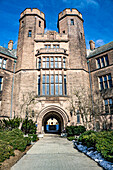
{"x": 72, "y": 21}
{"x": 29, "y": 33}
{"x": 57, "y": 46}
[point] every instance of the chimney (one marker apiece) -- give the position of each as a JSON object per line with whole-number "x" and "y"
{"x": 92, "y": 45}
{"x": 10, "y": 45}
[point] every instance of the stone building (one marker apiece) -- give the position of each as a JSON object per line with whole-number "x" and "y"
{"x": 51, "y": 66}
{"x": 101, "y": 71}
{"x": 7, "y": 60}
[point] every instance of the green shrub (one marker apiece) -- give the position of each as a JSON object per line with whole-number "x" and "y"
{"x": 34, "y": 137}
{"x": 75, "y": 130}
{"x": 69, "y": 130}
{"x": 89, "y": 132}
{"x": 11, "y": 140}
{"x": 28, "y": 127}
{"x": 104, "y": 144}
{"x": 70, "y": 138}
{"x": 10, "y": 123}
{"x": 5, "y": 150}
{"x": 101, "y": 141}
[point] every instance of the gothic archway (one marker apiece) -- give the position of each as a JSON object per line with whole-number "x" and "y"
{"x": 53, "y": 111}
{"x": 55, "y": 124}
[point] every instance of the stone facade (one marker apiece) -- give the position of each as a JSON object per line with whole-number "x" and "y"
{"x": 50, "y": 66}
{"x": 101, "y": 71}
{"x": 7, "y": 58}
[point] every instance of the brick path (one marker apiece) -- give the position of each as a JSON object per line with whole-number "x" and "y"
{"x": 54, "y": 153}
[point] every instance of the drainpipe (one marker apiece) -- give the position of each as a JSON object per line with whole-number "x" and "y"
{"x": 12, "y": 89}
{"x": 91, "y": 95}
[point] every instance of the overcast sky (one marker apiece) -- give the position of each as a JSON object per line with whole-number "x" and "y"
{"x": 97, "y": 15}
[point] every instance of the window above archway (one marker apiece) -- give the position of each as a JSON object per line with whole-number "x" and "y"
{"x": 52, "y": 84}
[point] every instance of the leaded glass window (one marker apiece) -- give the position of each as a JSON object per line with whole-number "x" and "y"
{"x": 102, "y": 61}
{"x": 43, "y": 85}
{"x": 65, "y": 90}
{"x": 39, "y": 63}
{"x": 64, "y": 62}
{"x": 105, "y": 82}
{"x": 38, "y": 85}
{"x": 52, "y": 62}
{"x": 108, "y": 105}
{"x": 52, "y": 84}
{"x": 3, "y": 63}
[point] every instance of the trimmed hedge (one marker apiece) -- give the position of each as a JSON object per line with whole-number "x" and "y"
{"x": 75, "y": 130}
{"x": 101, "y": 141}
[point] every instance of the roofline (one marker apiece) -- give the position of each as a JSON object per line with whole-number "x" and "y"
{"x": 8, "y": 55}
{"x": 93, "y": 55}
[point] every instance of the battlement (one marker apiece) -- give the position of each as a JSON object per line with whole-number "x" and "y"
{"x": 69, "y": 11}
{"x": 34, "y": 11}
{"x": 51, "y": 36}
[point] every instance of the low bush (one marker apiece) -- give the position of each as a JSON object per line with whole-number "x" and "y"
{"x": 11, "y": 140}
{"x": 10, "y": 123}
{"x": 34, "y": 137}
{"x": 70, "y": 138}
{"x": 75, "y": 130}
{"x": 28, "y": 127}
{"x": 5, "y": 150}
{"x": 101, "y": 141}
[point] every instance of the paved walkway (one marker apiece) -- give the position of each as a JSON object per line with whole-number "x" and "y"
{"x": 54, "y": 153}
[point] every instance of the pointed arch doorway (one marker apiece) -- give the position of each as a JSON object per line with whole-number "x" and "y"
{"x": 52, "y": 123}
{"x": 53, "y": 115}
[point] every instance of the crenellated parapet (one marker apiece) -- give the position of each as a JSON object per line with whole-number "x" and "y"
{"x": 33, "y": 11}
{"x": 51, "y": 36}
{"x": 69, "y": 11}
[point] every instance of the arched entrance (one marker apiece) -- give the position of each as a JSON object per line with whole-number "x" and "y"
{"x": 52, "y": 122}
{"x": 52, "y": 112}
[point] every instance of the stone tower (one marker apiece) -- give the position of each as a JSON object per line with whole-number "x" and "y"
{"x": 70, "y": 22}
{"x": 32, "y": 21}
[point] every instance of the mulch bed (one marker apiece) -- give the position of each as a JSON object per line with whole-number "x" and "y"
{"x": 8, "y": 163}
